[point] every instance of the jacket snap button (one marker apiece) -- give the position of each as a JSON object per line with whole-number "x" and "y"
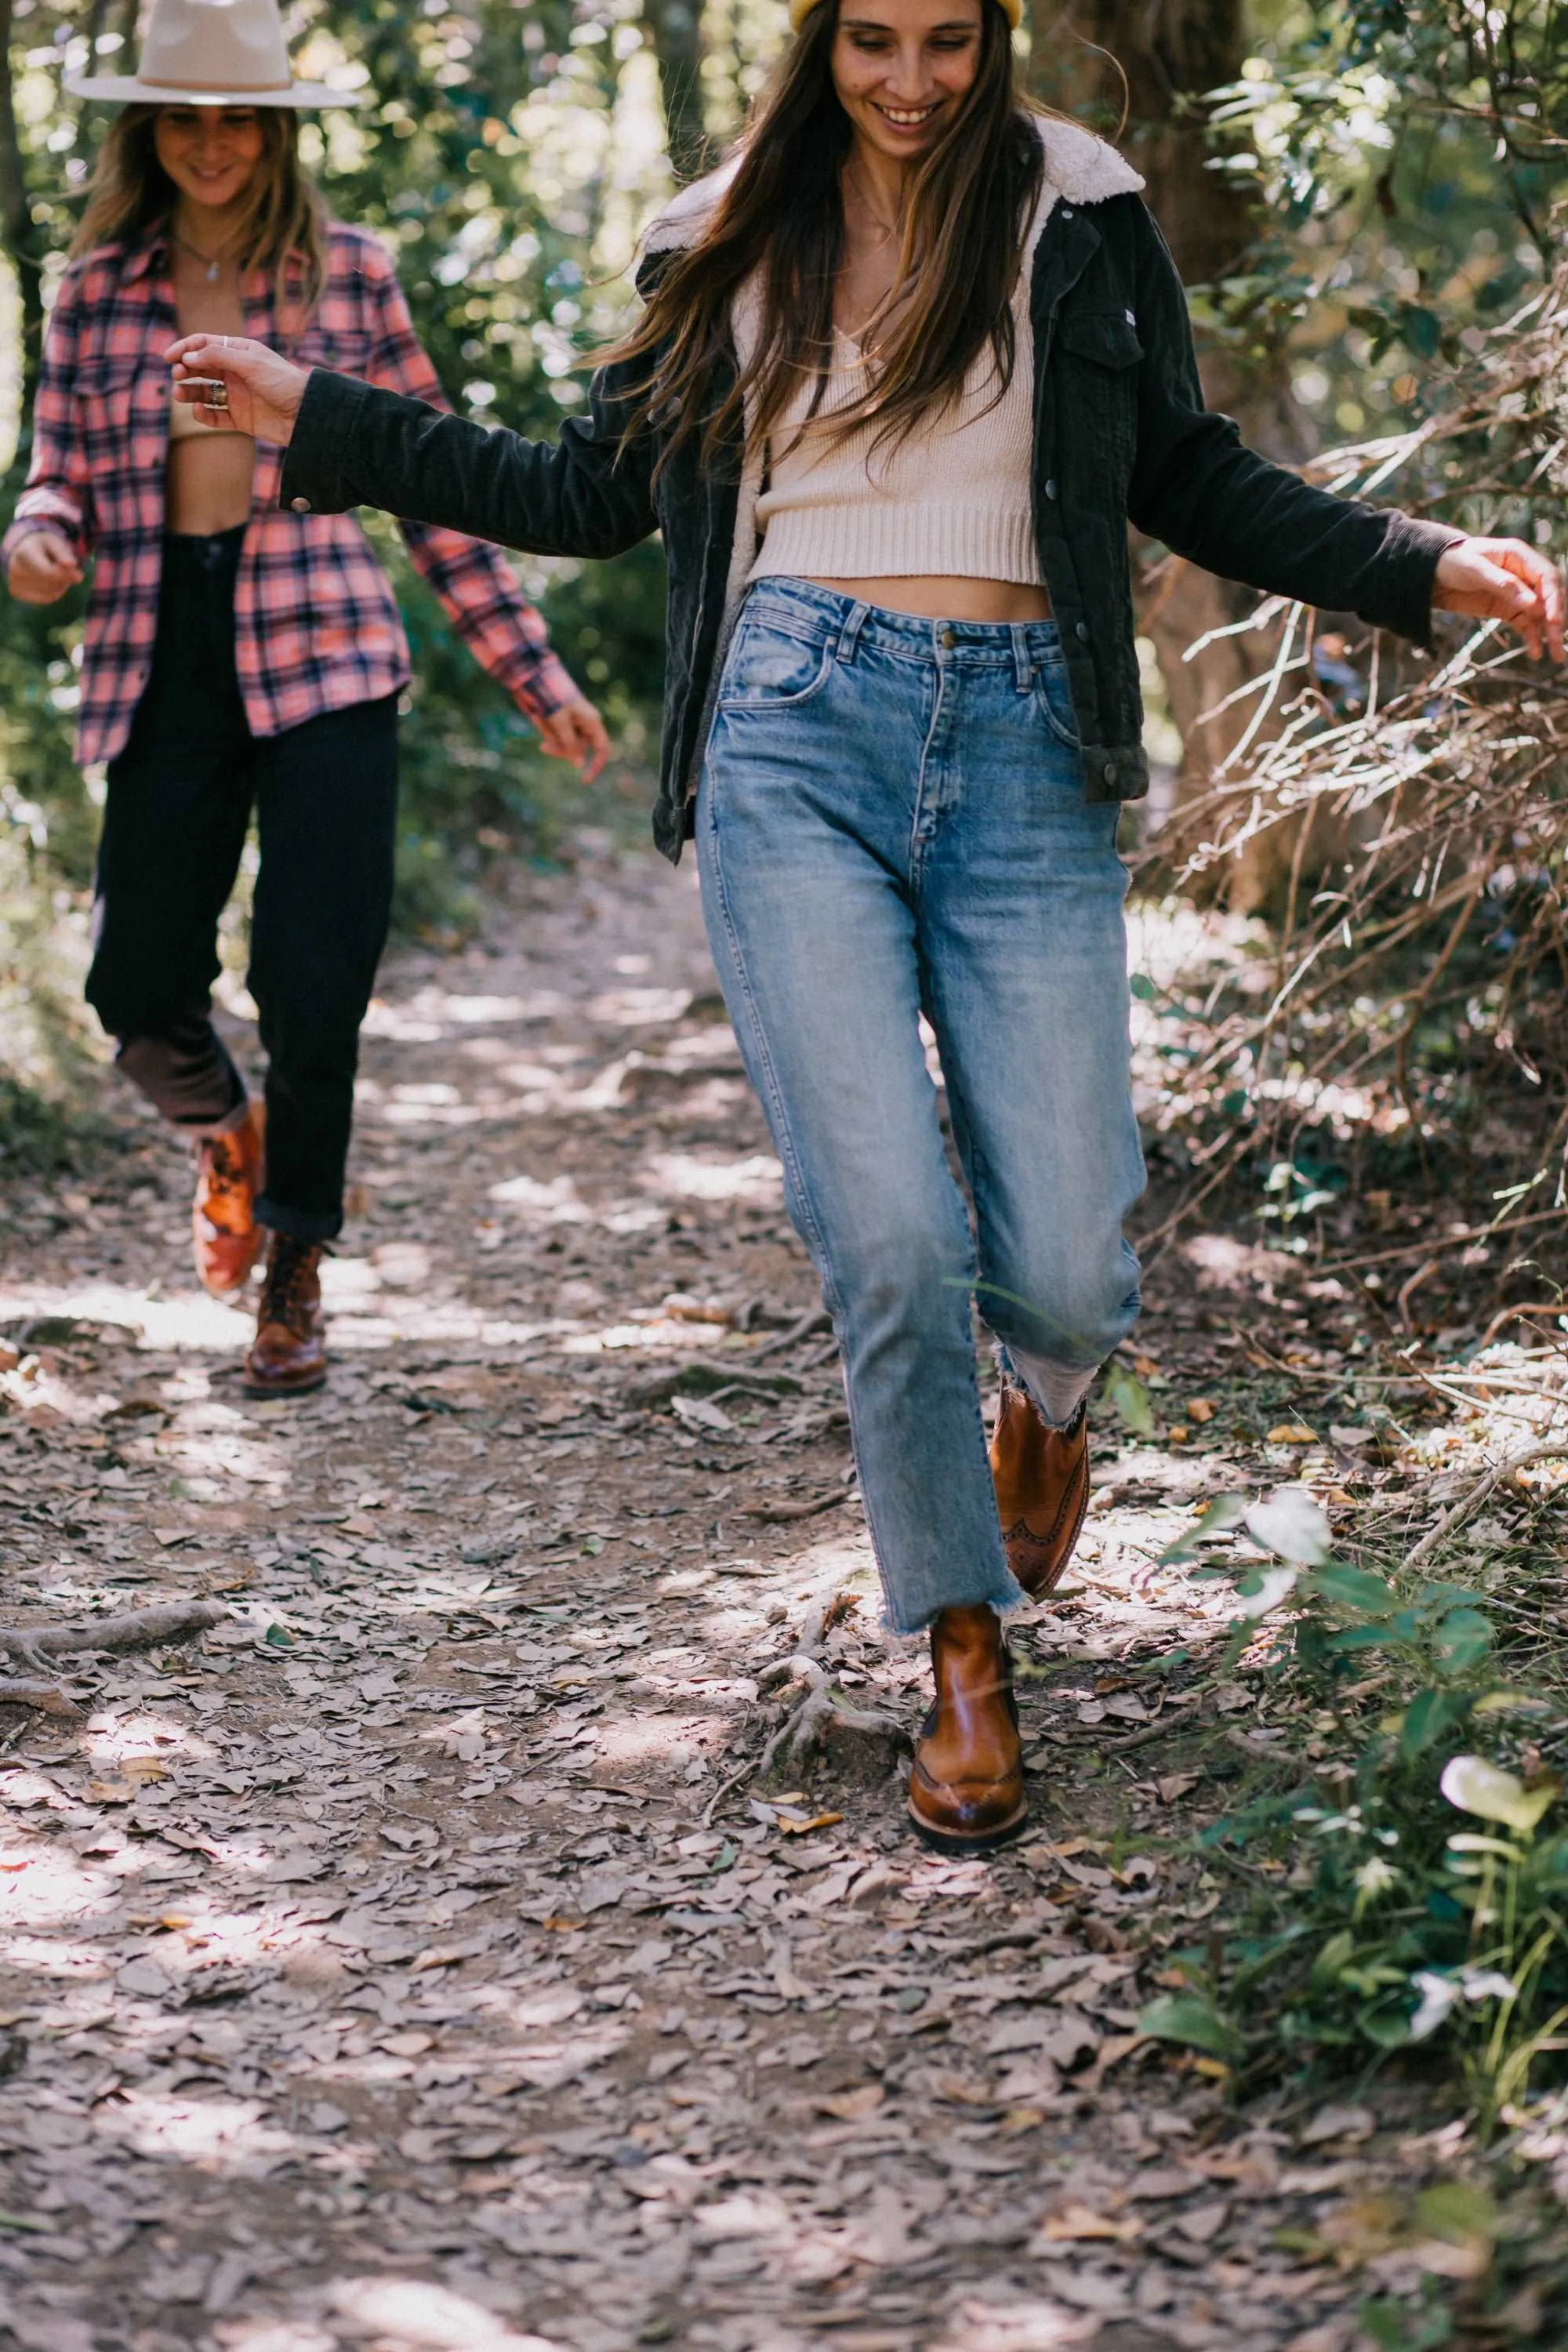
{"x": 300, "y": 506}
{"x": 1051, "y": 488}
{"x": 1108, "y": 771}
{"x": 1082, "y": 631}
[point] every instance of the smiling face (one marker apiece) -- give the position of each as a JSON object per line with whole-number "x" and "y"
{"x": 210, "y": 153}
{"x": 902, "y": 69}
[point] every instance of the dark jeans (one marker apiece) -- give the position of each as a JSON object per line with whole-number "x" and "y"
{"x": 180, "y": 800}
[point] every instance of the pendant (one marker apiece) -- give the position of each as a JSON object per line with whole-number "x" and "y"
{"x": 212, "y": 273}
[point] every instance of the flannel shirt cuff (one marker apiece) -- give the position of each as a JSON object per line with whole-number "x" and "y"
{"x": 541, "y": 684}
{"x": 42, "y": 510}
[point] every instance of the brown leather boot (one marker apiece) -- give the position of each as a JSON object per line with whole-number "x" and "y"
{"x": 1042, "y": 1489}
{"x": 288, "y": 1356}
{"x": 966, "y": 1784}
{"x": 224, "y": 1231}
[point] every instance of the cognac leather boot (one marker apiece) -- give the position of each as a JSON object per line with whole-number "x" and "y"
{"x": 224, "y": 1231}
{"x": 966, "y": 1784}
{"x": 288, "y": 1355}
{"x": 1042, "y": 1489}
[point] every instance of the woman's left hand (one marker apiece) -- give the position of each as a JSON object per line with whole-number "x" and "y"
{"x": 1504, "y": 580}
{"x": 575, "y": 732}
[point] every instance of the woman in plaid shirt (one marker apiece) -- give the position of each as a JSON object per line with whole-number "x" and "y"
{"x": 237, "y": 658}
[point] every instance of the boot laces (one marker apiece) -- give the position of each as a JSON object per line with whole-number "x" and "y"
{"x": 289, "y": 1295}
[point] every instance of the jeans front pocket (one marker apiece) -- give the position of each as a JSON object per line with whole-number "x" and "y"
{"x": 1053, "y": 699}
{"x": 771, "y": 668}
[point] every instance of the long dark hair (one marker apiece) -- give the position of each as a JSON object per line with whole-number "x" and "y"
{"x": 285, "y": 220}
{"x": 783, "y": 213}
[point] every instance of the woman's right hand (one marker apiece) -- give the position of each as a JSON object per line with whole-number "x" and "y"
{"x": 43, "y": 567}
{"x": 264, "y": 389}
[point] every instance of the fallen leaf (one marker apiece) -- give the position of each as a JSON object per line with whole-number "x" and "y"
{"x": 1203, "y": 2223}
{"x": 1336, "y": 2123}
{"x": 1172, "y": 1785}
{"x": 1077, "y": 2221}
{"x": 849, "y": 2106}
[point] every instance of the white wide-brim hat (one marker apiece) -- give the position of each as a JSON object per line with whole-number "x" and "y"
{"x": 212, "y": 53}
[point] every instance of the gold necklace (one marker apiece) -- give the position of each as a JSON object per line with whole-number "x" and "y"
{"x": 212, "y": 262}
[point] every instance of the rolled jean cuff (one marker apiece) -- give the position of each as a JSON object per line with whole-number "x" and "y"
{"x": 1056, "y": 1390}
{"x": 300, "y": 1224}
{"x": 187, "y": 1073}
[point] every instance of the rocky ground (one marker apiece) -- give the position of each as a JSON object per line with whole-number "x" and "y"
{"x": 413, "y": 1959}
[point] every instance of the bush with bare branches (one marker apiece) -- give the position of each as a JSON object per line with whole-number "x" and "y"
{"x": 1421, "y": 957}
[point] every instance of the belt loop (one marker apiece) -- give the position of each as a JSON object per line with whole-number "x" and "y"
{"x": 1023, "y": 659}
{"x": 850, "y": 634}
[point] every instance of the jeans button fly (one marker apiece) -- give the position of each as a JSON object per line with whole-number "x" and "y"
{"x": 946, "y": 639}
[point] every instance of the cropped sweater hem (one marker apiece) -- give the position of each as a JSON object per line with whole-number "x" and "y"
{"x": 900, "y": 543}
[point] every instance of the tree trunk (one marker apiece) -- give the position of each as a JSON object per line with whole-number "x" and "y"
{"x": 23, "y": 241}
{"x": 1172, "y": 54}
{"x": 675, "y": 30}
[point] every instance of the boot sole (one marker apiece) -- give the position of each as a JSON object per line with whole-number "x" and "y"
{"x": 241, "y": 1281}
{"x": 284, "y": 1388}
{"x": 968, "y": 1841}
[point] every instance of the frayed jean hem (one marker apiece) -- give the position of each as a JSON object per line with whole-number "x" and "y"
{"x": 1007, "y": 1601}
{"x": 1048, "y": 1387}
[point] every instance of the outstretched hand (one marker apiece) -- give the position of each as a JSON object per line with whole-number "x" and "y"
{"x": 264, "y": 390}
{"x": 1504, "y": 579}
{"x": 575, "y": 732}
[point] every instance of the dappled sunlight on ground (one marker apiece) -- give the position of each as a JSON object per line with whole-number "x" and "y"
{"x": 415, "y": 1963}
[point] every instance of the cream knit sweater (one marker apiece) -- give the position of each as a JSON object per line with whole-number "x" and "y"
{"x": 950, "y": 500}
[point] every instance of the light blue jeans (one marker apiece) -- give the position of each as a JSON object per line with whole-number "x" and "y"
{"x": 891, "y": 822}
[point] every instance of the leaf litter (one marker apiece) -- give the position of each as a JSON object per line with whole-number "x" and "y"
{"x": 423, "y": 1953}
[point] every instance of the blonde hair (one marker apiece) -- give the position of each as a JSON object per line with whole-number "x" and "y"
{"x": 284, "y": 219}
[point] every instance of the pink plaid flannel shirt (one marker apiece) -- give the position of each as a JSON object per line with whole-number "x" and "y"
{"x": 317, "y": 625}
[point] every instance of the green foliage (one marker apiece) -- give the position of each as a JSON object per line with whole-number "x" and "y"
{"x": 1393, "y": 1922}
{"x": 1131, "y": 1398}
{"x": 1409, "y": 157}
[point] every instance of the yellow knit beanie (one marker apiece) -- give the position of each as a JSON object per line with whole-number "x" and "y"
{"x": 799, "y": 10}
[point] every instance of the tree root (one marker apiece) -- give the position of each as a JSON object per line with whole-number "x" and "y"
{"x": 44, "y": 1696}
{"x": 1436, "y": 1535}
{"x": 818, "y": 1712}
{"x": 779, "y": 1512}
{"x": 136, "y": 1629}
{"x": 803, "y": 1733}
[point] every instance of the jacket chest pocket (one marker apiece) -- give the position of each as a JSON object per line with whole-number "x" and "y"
{"x": 1098, "y": 351}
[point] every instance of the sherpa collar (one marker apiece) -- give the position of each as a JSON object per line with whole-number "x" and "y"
{"x": 1078, "y": 166}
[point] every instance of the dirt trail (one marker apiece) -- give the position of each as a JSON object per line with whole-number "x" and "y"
{"x": 391, "y": 1967}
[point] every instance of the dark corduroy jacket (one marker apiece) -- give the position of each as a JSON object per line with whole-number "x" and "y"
{"x": 1121, "y": 433}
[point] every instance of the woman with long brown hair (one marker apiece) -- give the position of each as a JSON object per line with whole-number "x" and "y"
{"x": 906, "y": 367}
{"x": 237, "y": 658}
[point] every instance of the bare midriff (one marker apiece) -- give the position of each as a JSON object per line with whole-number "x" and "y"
{"x": 949, "y": 600}
{"x": 207, "y": 477}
